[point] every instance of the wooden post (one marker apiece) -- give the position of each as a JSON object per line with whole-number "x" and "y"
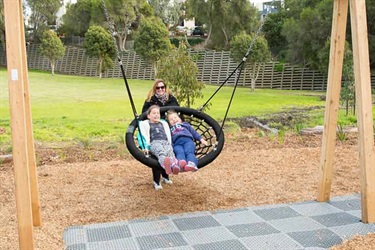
{"x": 336, "y": 58}
{"x": 35, "y": 203}
{"x": 16, "y": 76}
{"x": 364, "y": 108}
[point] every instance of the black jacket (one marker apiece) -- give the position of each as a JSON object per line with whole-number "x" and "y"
{"x": 172, "y": 101}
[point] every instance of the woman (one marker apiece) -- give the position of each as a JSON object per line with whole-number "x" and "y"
{"x": 159, "y": 95}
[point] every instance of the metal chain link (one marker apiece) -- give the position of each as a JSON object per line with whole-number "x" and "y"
{"x": 111, "y": 30}
{"x": 255, "y": 37}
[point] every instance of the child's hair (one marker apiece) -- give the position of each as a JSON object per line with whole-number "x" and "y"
{"x": 152, "y": 107}
{"x": 170, "y": 112}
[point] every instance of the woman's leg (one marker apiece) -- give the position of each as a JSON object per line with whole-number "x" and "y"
{"x": 156, "y": 175}
{"x": 164, "y": 174}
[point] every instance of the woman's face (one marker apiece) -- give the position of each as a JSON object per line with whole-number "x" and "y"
{"x": 160, "y": 88}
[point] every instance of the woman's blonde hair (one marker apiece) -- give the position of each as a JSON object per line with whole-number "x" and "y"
{"x": 153, "y": 89}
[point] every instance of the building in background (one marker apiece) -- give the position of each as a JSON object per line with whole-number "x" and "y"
{"x": 62, "y": 11}
{"x": 266, "y": 6}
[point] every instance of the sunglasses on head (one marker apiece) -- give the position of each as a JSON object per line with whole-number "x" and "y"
{"x": 161, "y": 87}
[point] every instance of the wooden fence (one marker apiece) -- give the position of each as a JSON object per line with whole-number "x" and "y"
{"x": 214, "y": 68}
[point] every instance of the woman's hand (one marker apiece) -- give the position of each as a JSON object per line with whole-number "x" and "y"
{"x": 146, "y": 152}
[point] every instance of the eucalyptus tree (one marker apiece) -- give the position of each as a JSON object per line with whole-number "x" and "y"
{"x": 169, "y": 11}
{"x": 77, "y": 18}
{"x": 306, "y": 35}
{"x": 224, "y": 19}
{"x": 43, "y": 13}
{"x": 122, "y": 13}
{"x": 272, "y": 30}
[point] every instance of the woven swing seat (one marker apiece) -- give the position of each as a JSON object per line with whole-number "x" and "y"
{"x": 205, "y": 125}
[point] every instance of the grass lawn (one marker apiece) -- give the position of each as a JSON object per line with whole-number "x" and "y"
{"x": 77, "y": 109}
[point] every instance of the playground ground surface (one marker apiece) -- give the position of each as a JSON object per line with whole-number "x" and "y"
{"x": 99, "y": 184}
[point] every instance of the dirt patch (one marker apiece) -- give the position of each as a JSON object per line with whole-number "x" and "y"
{"x": 100, "y": 183}
{"x": 287, "y": 119}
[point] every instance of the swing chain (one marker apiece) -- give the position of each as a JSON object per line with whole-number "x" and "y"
{"x": 255, "y": 37}
{"x": 112, "y": 31}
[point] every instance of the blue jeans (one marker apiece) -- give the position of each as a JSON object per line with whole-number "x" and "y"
{"x": 184, "y": 149}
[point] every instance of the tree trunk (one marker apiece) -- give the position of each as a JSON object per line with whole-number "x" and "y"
{"x": 121, "y": 41}
{"x": 208, "y": 36}
{"x": 253, "y": 84}
{"x": 53, "y": 68}
{"x": 100, "y": 64}
{"x": 155, "y": 69}
{"x": 254, "y": 75}
{"x": 226, "y": 37}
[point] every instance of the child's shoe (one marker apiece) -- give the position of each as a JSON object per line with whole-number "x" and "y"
{"x": 157, "y": 186}
{"x": 175, "y": 169}
{"x": 182, "y": 164}
{"x": 167, "y": 165}
{"x": 167, "y": 181}
{"x": 190, "y": 167}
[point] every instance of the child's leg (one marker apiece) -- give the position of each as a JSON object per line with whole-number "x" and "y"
{"x": 164, "y": 153}
{"x": 189, "y": 148}
{"x": 178, "y": 149}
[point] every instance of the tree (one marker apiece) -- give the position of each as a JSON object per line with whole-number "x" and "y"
{"x": 307, "y": 33}
{"x": 370, "y": 12}
{"x": 259, "y": 53}
{"x": 98, "y": 43}
{"x": 151, "y": 41}
{"x": 77, "y": 18}
{"x": 43, "y": 13}
{"x": 224, "y": 19}
{"x": 122, "y": 13}
{"x": 347, "y": 94}
{"x": 168, "y": 11}
{"x": 52, "y": 48}
{"x": 2, "y": 24}
{"x": 180, "y": 70}
{"x": 272, "y": 32}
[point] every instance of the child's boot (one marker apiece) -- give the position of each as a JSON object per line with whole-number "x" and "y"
{"x": 175, "y": 168}
{"x": 182, "y": 164}
{"x": 167, "y": 165}
{"x": 190, "y": 167}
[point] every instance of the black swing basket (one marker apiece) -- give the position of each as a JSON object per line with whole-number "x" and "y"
{"x": 204, "y": 124}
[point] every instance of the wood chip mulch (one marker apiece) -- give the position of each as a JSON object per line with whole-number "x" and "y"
{"x": 90, "y": 185}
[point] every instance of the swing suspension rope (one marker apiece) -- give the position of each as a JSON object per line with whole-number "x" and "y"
{"x": 239, "y": 67}
{"x": 113, "y": 33}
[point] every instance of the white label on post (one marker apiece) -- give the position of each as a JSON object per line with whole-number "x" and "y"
{"x": 14, "y": 75}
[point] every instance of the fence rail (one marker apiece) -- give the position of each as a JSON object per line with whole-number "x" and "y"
{"x": 214, "y": 68}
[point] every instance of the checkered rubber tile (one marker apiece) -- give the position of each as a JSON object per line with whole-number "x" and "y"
{"x": 305, "y": 225}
